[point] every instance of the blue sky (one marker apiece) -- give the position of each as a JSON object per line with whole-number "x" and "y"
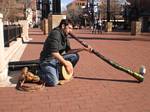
{"x": 64, "y": 3}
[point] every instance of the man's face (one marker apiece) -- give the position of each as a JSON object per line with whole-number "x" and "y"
{"x": 68, "y": 29}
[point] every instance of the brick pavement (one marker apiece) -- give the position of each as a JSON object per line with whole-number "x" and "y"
{"x": 97, "y": 87}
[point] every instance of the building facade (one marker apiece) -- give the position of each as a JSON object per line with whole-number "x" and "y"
{"x": 76, "y": 3}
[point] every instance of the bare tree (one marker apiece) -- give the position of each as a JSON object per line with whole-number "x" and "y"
{"x": 76, "y": 15}
{"x": 11, "y": 9}
{"x": 115, "y": 9}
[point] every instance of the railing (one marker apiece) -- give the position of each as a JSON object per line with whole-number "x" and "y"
{"x": 11, "y": 32}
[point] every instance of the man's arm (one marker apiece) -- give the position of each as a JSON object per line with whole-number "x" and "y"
{"x": 64, "y": 62}
{"x": 89, "y": 49}
{"x": 75, "y": 50}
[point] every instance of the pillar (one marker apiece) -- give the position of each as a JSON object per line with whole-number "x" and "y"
{"x": 45, "y": 26}
{"x": 108, "y": 27}
{"x": 3, "y": 62}
{"x": 135, "y": 27}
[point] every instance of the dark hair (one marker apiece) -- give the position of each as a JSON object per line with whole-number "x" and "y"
{"x": 65, "y": 22}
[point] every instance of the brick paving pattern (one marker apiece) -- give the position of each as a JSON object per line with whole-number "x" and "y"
{"x": 96, "y": 87}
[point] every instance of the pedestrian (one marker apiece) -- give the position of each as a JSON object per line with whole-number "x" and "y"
{"x": 94, "y": 26}
{"x": 99, "y": 26}
{"x": 57, "y": 52}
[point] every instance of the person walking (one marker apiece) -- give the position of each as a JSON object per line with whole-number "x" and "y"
{"x": 94, "y": 26}
{"x": 99, "y": 26}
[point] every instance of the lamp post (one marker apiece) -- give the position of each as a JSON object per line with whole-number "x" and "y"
{"x": 56, "y": 6}
{"x": 90, "y": 6}
{"x": 44, "y": 6}
{"x": 108, "y": 26}
{"x": 136, "y": 23}
{"x": 108, "y": 10}
{"x": 93, "y": 9}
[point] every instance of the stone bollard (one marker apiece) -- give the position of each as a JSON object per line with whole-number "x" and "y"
{"x": 45, "y": 26}
{"x": 54, "y": 20}
{"x": 108, "y": 27}
{"x": 3, "y": 62}
{"x": 135, "y": 27}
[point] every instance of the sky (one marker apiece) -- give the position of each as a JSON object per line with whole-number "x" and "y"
{"x": 64, "y": 3}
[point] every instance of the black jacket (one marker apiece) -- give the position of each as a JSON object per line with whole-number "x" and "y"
{"x": 56, "y": 42}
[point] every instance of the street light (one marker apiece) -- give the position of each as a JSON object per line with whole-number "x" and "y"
{"x": 45, "y": 6}
{"x": 56, "y": 6}
{"x": 93, "y": 9}
{"x": 108, "y": 10}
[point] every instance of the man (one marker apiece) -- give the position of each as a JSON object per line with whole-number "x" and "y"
{"x": 57, "y": 52}
{"x": 94, "y": 26}
{"x": 99, "y": 25}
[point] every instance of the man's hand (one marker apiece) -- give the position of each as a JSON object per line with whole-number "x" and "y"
{"x": 89, "y": 49}
{"x": 68, "y": 66}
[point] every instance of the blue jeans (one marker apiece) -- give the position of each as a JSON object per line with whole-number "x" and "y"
{"x": 50, "y": 70}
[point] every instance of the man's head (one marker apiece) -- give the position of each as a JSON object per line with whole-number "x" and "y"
{"x": 66, "y": 25}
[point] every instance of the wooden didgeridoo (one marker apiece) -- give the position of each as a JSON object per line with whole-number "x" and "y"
{"x": 136, "y": 75}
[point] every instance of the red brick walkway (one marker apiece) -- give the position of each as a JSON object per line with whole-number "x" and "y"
{"x": 97, "y": 87}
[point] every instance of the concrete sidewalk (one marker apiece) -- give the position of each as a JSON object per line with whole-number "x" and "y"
{"x": 97, "y": 87}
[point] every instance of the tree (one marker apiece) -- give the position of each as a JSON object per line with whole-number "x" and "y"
{"x": 115, "y": 9}
{"x": 76, "y": 15}
{"x": 13, "y": 10}
{"x": 7, "y": 9}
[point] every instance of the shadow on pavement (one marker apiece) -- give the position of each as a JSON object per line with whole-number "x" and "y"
{"x": 103, "y": 79}
{"x": 105, "y": 33}
{"x": 33, "y": 42}
{"x": 115, "y": 39}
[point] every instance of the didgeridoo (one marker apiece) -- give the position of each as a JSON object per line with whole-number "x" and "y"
{"x": 136, "y": 75}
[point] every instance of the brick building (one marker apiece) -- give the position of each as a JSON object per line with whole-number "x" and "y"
{"x": 76, "y": 3}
